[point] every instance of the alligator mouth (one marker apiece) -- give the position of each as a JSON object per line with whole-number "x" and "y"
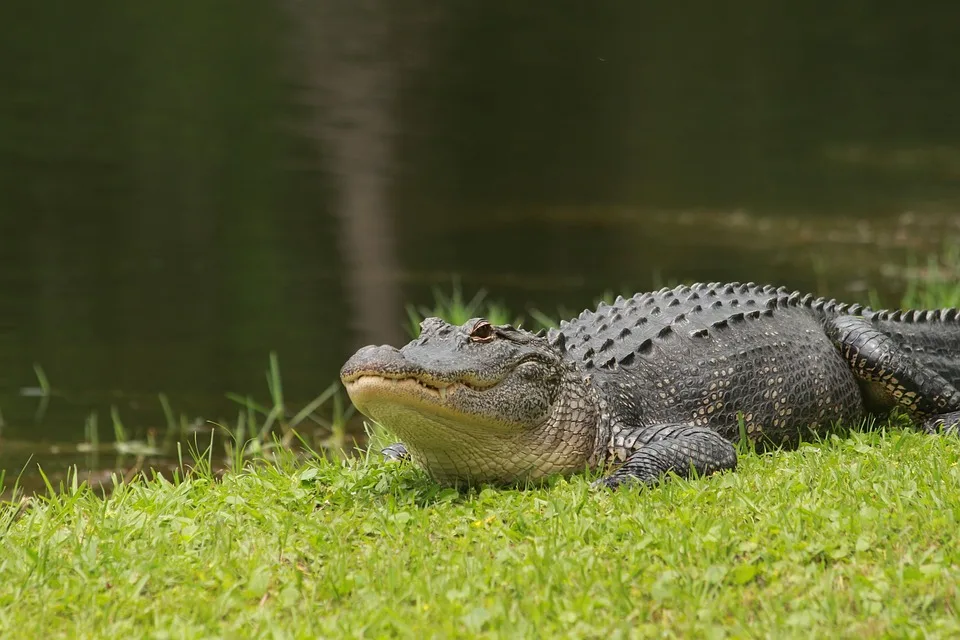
{"x": 438, "y": 388}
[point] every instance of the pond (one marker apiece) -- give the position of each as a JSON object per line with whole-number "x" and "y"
{"x": 188, "y": 187}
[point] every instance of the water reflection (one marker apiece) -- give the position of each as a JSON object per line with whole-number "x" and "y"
{"x": 186, "y": 187}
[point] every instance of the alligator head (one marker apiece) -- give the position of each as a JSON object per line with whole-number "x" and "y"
{"x": 477, "y": 402}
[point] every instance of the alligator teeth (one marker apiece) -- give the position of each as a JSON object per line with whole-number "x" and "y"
{"x": 443, "y": 392}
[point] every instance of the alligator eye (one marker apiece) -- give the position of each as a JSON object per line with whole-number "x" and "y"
{"x": 482, "y": 332}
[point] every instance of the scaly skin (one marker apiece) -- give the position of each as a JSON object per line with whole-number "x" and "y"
{"x": 654, "y": 384}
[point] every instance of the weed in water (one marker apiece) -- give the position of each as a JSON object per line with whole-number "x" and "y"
{"x": 455, "y": 309}
{"x": 262, "y": 430}
{"x": 937, "y": 284}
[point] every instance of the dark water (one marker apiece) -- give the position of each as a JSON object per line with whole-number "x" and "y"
{"x": 186, "y": 186}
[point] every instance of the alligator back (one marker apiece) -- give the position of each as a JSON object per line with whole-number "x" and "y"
{"x": 931, "y": 335}
{"x": 707, "y": 354}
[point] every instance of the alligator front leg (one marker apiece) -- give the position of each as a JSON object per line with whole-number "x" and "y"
{"x": 893, "y": 376}
{"x": 679, "y": 448}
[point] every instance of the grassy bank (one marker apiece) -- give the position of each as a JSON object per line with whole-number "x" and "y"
{"x": 855, "y": 535}
{"x": 849, "y": 536}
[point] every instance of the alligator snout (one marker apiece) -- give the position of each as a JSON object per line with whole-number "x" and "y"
{"x": 373, "y": 360}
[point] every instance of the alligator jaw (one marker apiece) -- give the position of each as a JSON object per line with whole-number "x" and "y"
{"x": 454, "y": 446}
{"x": 377, "y": 395}
{"x": 386, "y": 367}
{"x": 362, "y": 385}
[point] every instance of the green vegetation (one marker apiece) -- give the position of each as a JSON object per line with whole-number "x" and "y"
{"x": 936, "y": 283}
{"x": 257, "y": 432}
{"x": 850, "y": 536}
{"x": 854, "y": 535}
{"x": 457, "y": 309}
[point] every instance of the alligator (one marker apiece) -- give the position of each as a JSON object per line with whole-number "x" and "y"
{"x": 666, "y": 382}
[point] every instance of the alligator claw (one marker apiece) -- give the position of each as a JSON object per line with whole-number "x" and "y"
{"x": 600, "y": 484}
{"x": 396, "y": 452}
{"x": 948, "y": 423}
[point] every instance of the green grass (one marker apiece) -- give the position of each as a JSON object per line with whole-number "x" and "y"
{"x": 847, "y": 537}
{"x": 852, "y": 536}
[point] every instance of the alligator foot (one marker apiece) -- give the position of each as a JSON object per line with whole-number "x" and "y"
{"x": 396, "y": 452}
{"x": 893, "y": 375}
{"x": 943, "y": 423}
{"x": 681, "y": 449}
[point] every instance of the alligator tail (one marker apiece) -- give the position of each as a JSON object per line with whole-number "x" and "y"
{"x": 932, "y": 336}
